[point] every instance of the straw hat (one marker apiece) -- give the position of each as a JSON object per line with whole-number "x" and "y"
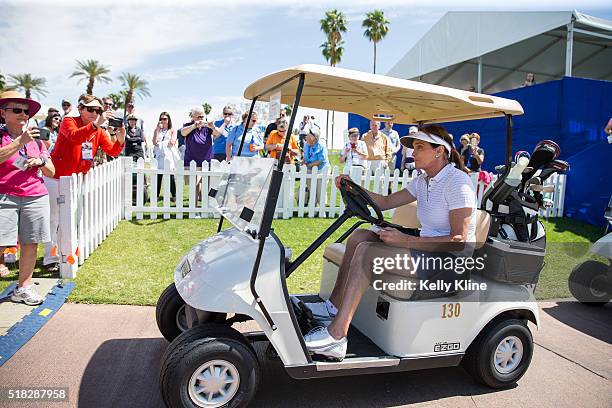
{"x": 14, "y": 96}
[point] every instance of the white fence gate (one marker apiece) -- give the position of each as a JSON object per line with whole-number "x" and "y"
{"x": 92, "y": 205}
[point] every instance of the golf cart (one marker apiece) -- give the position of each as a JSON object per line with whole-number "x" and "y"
{"x": 240, "y": 273}
{"x": 591, "y": 281}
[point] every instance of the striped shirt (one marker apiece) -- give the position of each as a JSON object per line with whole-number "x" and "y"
{"x": 449, "y": 190}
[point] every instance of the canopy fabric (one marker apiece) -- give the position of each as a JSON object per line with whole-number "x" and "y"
{"x": 367, "y": 94}
{"x": 510, "y": 44}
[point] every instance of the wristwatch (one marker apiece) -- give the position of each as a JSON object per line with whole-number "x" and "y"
{"x": 44, "y": 161}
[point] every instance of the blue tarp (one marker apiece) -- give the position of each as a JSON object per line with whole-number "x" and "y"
{"x": 571, "y": 111}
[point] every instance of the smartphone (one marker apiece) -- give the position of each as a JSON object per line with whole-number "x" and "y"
{"x": 44, "y": 134}
{"x": 474, "y": 141}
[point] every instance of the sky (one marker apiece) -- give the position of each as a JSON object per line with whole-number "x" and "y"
{"x": 192, "y": 52}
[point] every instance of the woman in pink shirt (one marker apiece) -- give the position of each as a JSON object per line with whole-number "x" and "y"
{"x": 24, "y": 201}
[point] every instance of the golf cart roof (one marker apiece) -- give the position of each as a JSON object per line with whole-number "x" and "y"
{"x": 372, "y": 94}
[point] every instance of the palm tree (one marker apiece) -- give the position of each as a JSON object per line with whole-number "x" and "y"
{"x": 91, "y": 70}
{"x": 376, "y": 28}
{"x": 118, "y": 99}
{"x": 288, "y": 110}
{"x": 333, "y": 25}
{"x": 3, "y": 85}
{"x": 207, "y": 108}
{"x": 134, "y": 85}
{"x": 29, "y": 84}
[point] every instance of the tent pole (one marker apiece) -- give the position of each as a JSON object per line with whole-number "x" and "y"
{"x": 569, "y": 49}
{"x": 479, "y": 86}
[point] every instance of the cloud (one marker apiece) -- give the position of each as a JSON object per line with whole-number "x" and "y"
{"x": 194, "y": 68}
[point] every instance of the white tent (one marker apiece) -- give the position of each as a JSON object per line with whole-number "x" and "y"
{"x": 493, "y": 51}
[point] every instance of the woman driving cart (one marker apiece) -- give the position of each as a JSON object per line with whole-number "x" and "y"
{"x": 446, "y": 209}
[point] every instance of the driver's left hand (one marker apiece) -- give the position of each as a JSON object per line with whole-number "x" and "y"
{"x": 393, "y": 236}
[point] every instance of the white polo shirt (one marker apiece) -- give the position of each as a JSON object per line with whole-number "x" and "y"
{"x": 449, "y": 190}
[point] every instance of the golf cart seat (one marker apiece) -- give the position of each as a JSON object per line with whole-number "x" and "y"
{"x": 406, "y": 216}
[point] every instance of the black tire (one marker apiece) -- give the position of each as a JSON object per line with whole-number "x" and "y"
{"x": 201, "y": 345}
{"x": 589, "y": 283}
{"x": 170, "y": 314}
{"x": 479, "y": 360}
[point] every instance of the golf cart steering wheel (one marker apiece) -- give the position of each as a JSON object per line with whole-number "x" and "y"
{"x": 358, "y": 202}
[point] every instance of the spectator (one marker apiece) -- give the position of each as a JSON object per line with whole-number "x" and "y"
{"x": 77, "y": 143}
{"x": 66, "y": 107}
{"x": 276, "y": 142}
{"x": 24, "y": 201}
{"x": 134, "y": 139}
{"x": 464, "y": 141}
{"x": 529, "y": 80}
{"x": 395, "y": 143}
{"x": 50, "y": 112}
{"x": 52, "y": 123}
{"x": 224, "y": 126}
{"x": 164, "y": 142}
{"x": 198, "y": 136}
{"x": 253, "y": 143}
{"x": 272, "y": 126}
{"x": 380, "y": 150}
{"x": 303, "y": 130}
{"x": 407, "y": 153}
{"x": 473, "y": 156}
{"x": 131, "y": 110}
{"x": 315, "y": 155}
{"x": 355, "y": 152}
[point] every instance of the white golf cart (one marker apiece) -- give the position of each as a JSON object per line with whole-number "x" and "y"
{"x": 241, "y": 271}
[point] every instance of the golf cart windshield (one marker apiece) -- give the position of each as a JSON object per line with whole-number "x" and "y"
{"x": 241, "y": 195}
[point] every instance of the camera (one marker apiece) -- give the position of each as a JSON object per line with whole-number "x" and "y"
{"x": 44, "y": 134}
{"x": 115, "y": 122}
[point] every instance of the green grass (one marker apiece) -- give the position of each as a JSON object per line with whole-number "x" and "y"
{"x": 135, "y": 263}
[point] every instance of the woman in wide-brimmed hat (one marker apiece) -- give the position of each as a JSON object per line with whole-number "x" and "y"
{"x": 24, "y": 201}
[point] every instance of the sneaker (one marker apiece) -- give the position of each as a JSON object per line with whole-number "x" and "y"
{"x": 27, "y": 295}
{"x": 319, "y": 341}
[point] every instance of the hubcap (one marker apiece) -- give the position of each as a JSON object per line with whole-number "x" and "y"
{"x": 508, "y": 354}
{"x": 214, "y": 384}
{"x": 598, "y": 286}
{"x": 181, "y": 319}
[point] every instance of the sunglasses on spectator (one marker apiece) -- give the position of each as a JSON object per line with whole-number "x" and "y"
{"x": 18, "y": 111}
{"x": 253, "y": 120}
{"x": 91, "y": 109}
{"x": 199, "y": 117}
{"x": 65, "y": 104}
{"x": 108, "y": 104}
{"x": 163, "y": 118}
{"x": 228, "y": 114}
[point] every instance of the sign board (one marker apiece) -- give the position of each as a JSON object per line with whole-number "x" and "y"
{"x": 275, "y": 107}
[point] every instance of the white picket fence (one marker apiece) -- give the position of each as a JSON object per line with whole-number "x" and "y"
{"x": 92, "y": 205}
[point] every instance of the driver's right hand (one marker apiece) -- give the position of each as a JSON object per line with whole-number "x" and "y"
{"x": 340, "y": 177}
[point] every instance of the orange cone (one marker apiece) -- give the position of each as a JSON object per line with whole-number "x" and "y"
{"x": 70, "y": 259}
{"x": 77, "y": 252}
{"x": 54, "y": 250}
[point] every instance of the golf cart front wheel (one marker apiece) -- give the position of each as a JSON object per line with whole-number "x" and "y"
{"x": 589, "y": 283}
{"x": 170, "y": 314}
{"x": 209, "y": 366}
{"x": 501, "y": 354}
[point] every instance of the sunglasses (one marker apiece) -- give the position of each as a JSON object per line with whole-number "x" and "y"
{"x": 199, "y": 117}
{"x": 163, "y": 119}
{"x": 253, "y": 120}
{"x": 108, "y": 104}
{"x": 228, "y": 114}
{"x": 18, "y": 111}
{"x": 65, "y": 105}
{"x": 91, "y": 109}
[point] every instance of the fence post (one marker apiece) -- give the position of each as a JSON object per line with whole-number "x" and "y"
{"x": 127, "y": 187}
{"x": 67, "y": 234}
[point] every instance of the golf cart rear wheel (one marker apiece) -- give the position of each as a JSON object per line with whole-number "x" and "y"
{"x": 501, "y": 354}
{"x": 210, "y": 366}
{"x": 170, "y": 314}
{"x": 589, "y": 283}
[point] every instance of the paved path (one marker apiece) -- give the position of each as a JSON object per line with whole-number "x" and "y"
{"x": 109, "y": 356}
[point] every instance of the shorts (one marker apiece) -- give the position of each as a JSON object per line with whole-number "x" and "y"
{"x": 24, "y": 218}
